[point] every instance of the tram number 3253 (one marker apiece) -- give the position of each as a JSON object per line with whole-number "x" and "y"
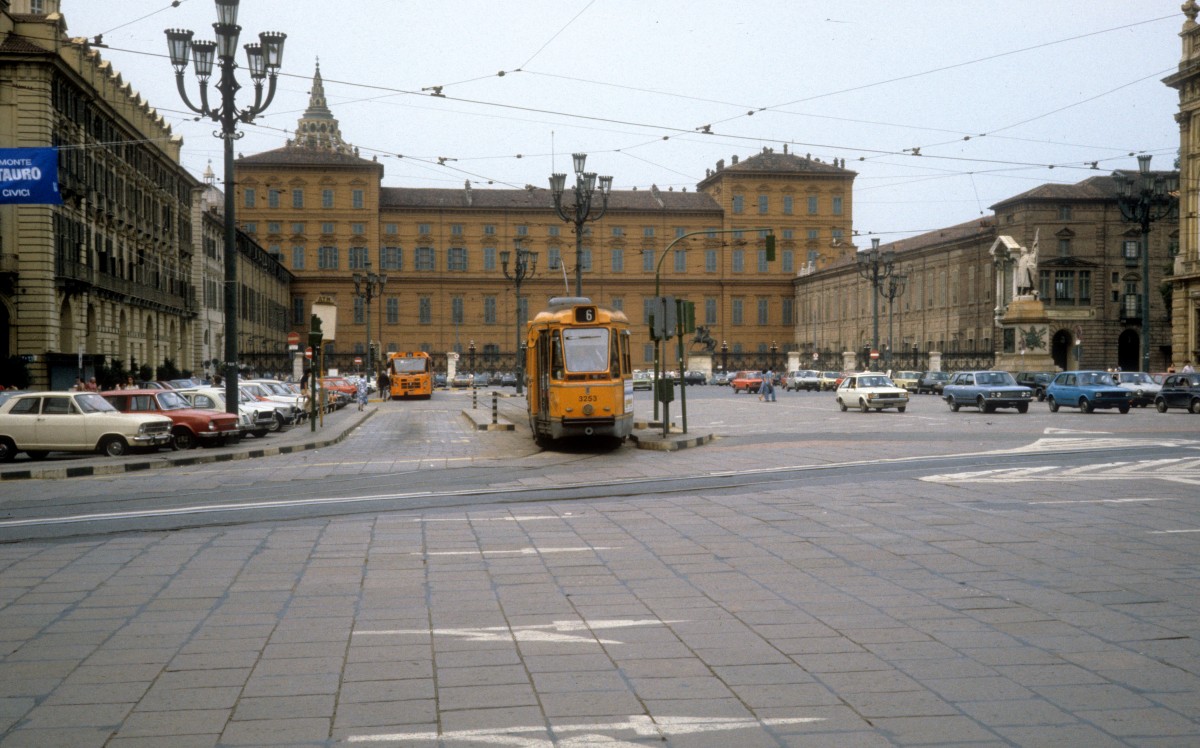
{"x": 589, "y": 399}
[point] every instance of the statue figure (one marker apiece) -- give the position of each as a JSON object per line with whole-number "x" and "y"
{"x": 704, "y": 338}
{"x": 1025, "y": 281}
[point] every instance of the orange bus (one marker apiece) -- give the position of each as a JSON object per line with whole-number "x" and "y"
{"x": 410, "y": 374}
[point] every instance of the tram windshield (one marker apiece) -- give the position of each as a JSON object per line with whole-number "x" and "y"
{"x": 586, "y": 349}
{"x": 410, "y": 365}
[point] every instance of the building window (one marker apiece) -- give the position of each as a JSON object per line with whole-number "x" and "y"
{"x": 489, "y": 258}
{"x": 297, "y": 198}
{"x": 358, "y": 258}
{"x": 552, "y": 231}
{"x": 813, "y": 234}
{"x": 391, "y": 258}
{"x": 647, "y": 309}
{"x": 648, "y": 232}
{"x": 554, "y": 255}
{"x": 837, "y": 205}
{"x": 762, "y": 261}
{"x": 763, "y": 204}
{"x": 456, "y": 259}
{"x": 359, "y": 310}
{"x": 812, "y": 205}
{"x": 738, "y": 204}
{"x": 648, "y": 352}
{"x": 738, "y": 259}
{"x": 327, "y": 228}
{"x": 358, "y": 229}
{"x": 248, "y": 198}
{"x": 737, "y": 311}
{"x": 272, "y": 198}
{"x": 456, "y": 229}
{"x": 522, "y": 230}
{"x": 274, "y": 227}
{"x": 424, "y": 259}
{"x": 680, "y": 261}
{"x": 298, "y": 229}
{"x": 618, "y": 259}
{"x": 298, "y": 310}
{"x": 327, "y": 198}
{"x": 789, "y": 310}
{"x": 788, "y": 259}
{"x": 390, "y": 229}
{"x": 787, "y": 205}
{"x": 617, "y": 303}
{"x": 356, "y": 199}
{"x": 392, "y": 309}
{"x": 456, "y": 310}
{"x": 298, "y": 257}
{"x": 648, "y": 260}
{"x": 618, "y": 231}
{"x": 489, "y": 310}
{"x": 425, "y": 310}
{"x": 489, "y": 229}
{"x": 710, "y": 311}
{"x": 710, "y": 260}
{"x": 585, "y": 260}
{"x": 1131, "y": 249}
{"x": 327, "y": 258}
{"x": 423, "y": 229}
{"x": 1064, "y": 212}
{"x": 764, "y": 312}
{"x": 1064, "y": 247}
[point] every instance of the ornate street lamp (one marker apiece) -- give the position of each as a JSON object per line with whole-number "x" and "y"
{"x": 1143, "y": 200}
{"x": 581, "y": 211}
{"x": 725, "y": 357}
{"x": 524, "y": 267}
{"x": 875, "y": 267}
{"x": 471, "y": 349}
{"x": 895, "y": 288}
{"x": 263, "y": 60}
{"x": 367, "y": 286}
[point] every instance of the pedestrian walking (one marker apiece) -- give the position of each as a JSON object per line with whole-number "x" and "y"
{"x": 361, "y": 391}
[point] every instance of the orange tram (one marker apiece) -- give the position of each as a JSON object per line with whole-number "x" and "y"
{"x": 410, "y": 374}
{"x": 578, "y": 371}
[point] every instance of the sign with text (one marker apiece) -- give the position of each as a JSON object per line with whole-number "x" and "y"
{"x": 29, "y": 176}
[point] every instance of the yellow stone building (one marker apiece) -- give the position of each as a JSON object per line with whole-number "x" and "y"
{"x": 1185, "y": 284}
{"x": 320, "y": 206}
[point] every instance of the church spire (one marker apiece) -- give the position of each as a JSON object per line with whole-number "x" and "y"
{"x": 318, "y": 128}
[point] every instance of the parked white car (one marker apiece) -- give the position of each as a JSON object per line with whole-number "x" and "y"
{"x": 254, "y": 417}
{"x": 288, "y": 406}
{"x": 1141, "y": 384}
{"x": 38, "y": 423}
{"x": 870, "y": 391}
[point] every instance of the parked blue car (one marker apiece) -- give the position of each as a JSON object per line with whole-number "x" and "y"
{"x": 1087, "y": 390}
{"x": 986, "y": 390}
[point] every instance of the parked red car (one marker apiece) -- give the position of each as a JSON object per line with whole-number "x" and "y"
{"x": 192, "y": 426}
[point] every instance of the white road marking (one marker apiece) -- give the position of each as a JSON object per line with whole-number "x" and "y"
{"x": 1173, "y": 532}
{"x": 1180, "y": 470}
{"x": 590, "y": 734}
{"x": 518, "y": 551}
{"x": 559, "y": 632}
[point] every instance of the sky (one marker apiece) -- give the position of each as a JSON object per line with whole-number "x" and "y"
{"x": 942, "y": 107}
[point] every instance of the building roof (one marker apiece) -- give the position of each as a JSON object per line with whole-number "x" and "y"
{"x": 770, "y": 162}
{"x": 982, "y": 226}
{"x": 539, "y": 199}
{"x": 296, "y": 155}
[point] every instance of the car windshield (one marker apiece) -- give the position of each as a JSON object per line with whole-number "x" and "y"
{"x": 1095, "y": 377}
{"x": 1000, "y": 378}
{"x": 879, "y": 381}
{"x": 93, "y": 403}
{"x": 1135, "y": 377}
{"x": 168, "y": 400}
{"x": 832, "y": 375}
{"x": 275, "y": 388}
{"x": 410, "y": 365}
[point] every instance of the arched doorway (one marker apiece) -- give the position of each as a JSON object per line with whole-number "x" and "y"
{"x": 1060, "y": 349}
{"x": 1129, "y": 351}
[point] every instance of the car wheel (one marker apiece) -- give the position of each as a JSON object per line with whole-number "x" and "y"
{"x": 1124, "y": 409}
{"x": 8, "y": 450}
{"x": 1023, "y": 407}
{"x": 277, "y": 422}
{"x": 37, "y": 454}
{"x": 184, "y": 439}
{"x": 1195, "y": 405}
{"x": 1053, "y": 404}
{"x": 114, "y": 446}
{"x": 842, "y": 405}
{"x": 1085, "y": 405}
{"x": 1160, "y": 405}
{"x": 952, "y": 403}
{"x": 862, "y": 406}
{"x": 901, "y": 409}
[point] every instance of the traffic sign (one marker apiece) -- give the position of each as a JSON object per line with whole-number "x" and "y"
{"x": 308, "y": 352}
{"x": 358, "y": 359}
{"x": 874, "y": 355}
{"x": 293, "y": 338}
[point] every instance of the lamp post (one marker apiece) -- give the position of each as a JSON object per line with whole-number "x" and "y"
{"x": 774, "y": 352}
{"x": 1143, "y": 200}
{"x": 524, "y": 267}
{"x": 263, "y": 60}
{"x": 581, "y": 211}
{"x": 471, "y": 350}
{"x": 725, "y": 357}
{"x": 367, "y": 286}
{"x": 895, "y": 288}
{"x": 876, "y": 267}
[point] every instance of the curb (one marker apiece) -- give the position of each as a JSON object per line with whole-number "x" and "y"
{"x": 167, "y": 461}
{"x": 483, "y": 421}
{"x": 669, "y": 443}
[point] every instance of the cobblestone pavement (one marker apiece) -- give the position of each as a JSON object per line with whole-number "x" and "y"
{"x": 1054, "y": 605}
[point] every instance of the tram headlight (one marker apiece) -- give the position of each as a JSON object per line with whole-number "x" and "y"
{"x": 588, "y": 409}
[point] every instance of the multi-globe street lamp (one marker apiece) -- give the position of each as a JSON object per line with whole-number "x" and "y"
{"x": 524, "y": 267}
{"x": 876, "y": 267}
{"x": 1144, "y": 199}
{"x": 581, "y": 211}
{"x": 263, "y": 60}
{"x": 367, "y": 286}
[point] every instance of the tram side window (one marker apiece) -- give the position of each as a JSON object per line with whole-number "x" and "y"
{"x": 556, "y": 357}
{"x": 626, "y": 362}
{"x": 614, "y": 358}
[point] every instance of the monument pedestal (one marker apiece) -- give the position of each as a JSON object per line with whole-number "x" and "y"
{"x": 1025, "y": 337}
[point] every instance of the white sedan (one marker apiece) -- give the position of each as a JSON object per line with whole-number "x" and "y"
{"x": 38, "y": 423}
{"x": 868, "y": 390}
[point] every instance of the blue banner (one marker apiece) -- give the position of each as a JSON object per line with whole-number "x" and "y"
{"x": 29, "y": 175}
